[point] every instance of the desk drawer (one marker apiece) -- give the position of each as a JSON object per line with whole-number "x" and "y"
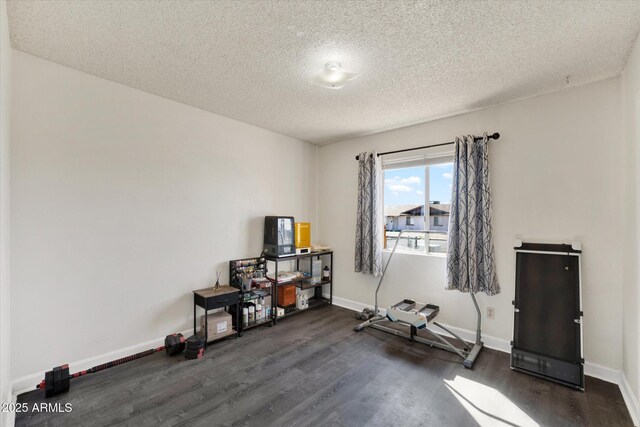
{"x": 222, "y": 301}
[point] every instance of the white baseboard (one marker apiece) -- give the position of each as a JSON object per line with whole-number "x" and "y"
{"x": 8, "y": 419}
{"x": 347, "y": 303}
{"x": 630, "y": 399}
{"x": 602, "y": 373}
{"x": 488, "y": 340}
{"x": 28, "y": 382}
{"x": 590, "y": 369}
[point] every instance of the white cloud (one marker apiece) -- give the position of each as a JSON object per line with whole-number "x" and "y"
{"x": 404, "y": 185}
{"x": 405, "y": 181}
{"x": 448, "y": 175}
{"x": 399, "y": 187}
{"x": 411, "y": 180}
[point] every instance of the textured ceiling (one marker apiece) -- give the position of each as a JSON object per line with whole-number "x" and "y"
{"x": 253, "y": 60}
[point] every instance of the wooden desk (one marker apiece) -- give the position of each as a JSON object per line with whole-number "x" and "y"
{"x": 210, "y": 299}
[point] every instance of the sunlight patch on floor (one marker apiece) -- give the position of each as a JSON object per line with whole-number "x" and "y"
{"x": 486, "y": 405}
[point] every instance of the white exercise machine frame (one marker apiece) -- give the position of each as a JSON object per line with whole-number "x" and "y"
{"x": 468, "y": 353}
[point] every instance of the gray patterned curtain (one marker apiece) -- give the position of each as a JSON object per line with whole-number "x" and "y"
{"x": 470, "y": 254}
{"x": 369, "y": 218}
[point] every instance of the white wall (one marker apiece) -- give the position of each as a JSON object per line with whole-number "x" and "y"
{"x": 631, "y": 280}
{"x": 5, "y": 291}
{"x": 123, "y": 203}
{"x": 556, "y": 174}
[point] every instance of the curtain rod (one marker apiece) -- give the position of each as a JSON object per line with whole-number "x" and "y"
{"x": 496, "y": 135}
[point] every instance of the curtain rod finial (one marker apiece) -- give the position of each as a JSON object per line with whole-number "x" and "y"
{"x": 496, "y": 135}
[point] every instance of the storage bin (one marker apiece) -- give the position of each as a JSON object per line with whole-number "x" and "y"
{"x": 286, "y": 295}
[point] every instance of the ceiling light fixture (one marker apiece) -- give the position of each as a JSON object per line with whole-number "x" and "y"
{"x": 332, "y": 77}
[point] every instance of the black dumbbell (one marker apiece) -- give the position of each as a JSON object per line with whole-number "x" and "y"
{"x": 195, "y": 342}
{"x": 174, "y": 344}
{"x": 56, "y": 381}
{"x": 194, "y": 354}
{"x": 195, "y": 347}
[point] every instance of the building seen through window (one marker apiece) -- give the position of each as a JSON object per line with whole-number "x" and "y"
{"x": 406, "y": 193}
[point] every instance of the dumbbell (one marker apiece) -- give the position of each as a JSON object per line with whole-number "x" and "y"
{"x": 195, "y": 347}
{"x": 58, "y": 380}
{"x": 174, "y": 344}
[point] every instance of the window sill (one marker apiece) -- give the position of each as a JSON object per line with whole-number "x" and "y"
{"x": 399, "y": 252}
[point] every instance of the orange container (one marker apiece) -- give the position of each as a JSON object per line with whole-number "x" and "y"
{"x": 286, "y": 295}
{"x": 303, "y": 234}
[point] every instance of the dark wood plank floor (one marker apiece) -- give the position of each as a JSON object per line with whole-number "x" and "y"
{"x": 312, "y": 370}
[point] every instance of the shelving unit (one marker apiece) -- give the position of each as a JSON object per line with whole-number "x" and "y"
{"x": 255, "y": 266}
{"x": 303, "y": 283}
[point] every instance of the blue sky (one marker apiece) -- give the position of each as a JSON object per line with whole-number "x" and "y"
{"x": 406, "y": 186}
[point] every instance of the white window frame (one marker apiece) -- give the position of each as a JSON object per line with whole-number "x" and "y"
{"x": 425, "y": 161}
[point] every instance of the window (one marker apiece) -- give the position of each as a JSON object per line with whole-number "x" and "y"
{"x": 409, "y": 186}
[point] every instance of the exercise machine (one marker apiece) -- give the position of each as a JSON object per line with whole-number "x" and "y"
{"x": 548, "y": 316}
{"x": 406, "y": 313}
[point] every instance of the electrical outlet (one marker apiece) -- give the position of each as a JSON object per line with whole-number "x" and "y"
{"x": 491, "y": 313}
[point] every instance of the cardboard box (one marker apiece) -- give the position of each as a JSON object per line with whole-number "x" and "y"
{"x": 219, "y": 324}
